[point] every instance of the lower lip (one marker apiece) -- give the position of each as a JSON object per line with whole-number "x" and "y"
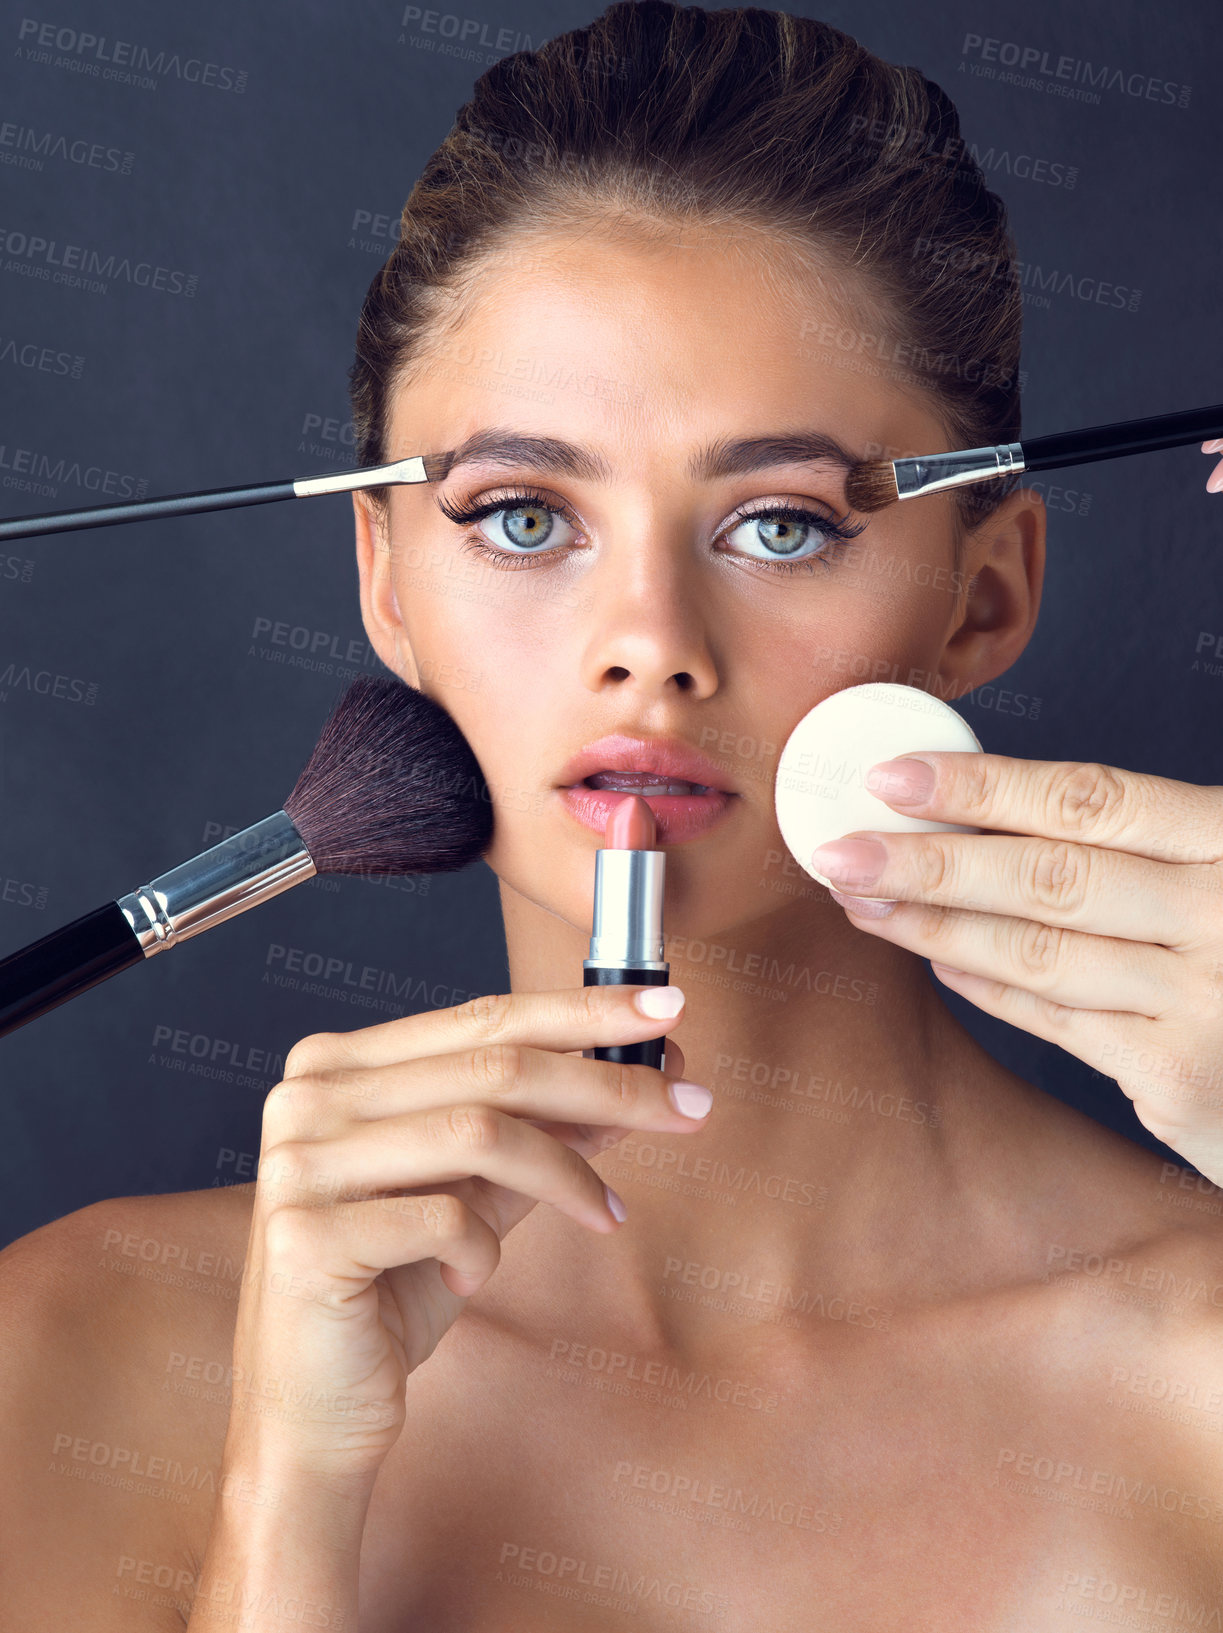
{"x": 679, "y": 816}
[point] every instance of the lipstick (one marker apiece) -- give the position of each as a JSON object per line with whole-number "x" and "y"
{"x": 626, "y": 947}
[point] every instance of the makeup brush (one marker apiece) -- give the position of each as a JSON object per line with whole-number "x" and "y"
{"x": 420, "y": 468}
{"x": 872, "y": 484}
{"x": 391, "y": 787}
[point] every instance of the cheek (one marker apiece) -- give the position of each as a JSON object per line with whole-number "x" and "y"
{"x": 893, "y": 608}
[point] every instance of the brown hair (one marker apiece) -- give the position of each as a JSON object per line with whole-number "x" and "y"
{"x": 745, "y": 121}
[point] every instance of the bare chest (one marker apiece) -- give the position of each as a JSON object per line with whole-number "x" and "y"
{"x": 952, "y": 1487}
{"x": 993, "y": 1466}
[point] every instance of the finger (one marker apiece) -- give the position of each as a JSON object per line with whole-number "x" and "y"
{"x": 513, "y": 1076}
{"x": 355, "y": 1242}
{"x": 1093, "y": 1036}
{"x": 433, "y": 1147}
{"x": 1059, "y": 883}
{"x": 672, "y": 1058}
{"x": 587, "y": 1139}
{"x": 1065, "y": 966}
{"x": 1134, "y": 811}
{"x": 573, "y": 1018}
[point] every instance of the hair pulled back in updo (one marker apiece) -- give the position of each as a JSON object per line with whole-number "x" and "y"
{"x": 765, "y": 127}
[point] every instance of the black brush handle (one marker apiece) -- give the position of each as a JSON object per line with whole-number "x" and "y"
{"x": 1126, "y": 437}
{"x": 171, "y": 504}
{"x": 65, "y": 963}
{"x": 651, "y": 1051}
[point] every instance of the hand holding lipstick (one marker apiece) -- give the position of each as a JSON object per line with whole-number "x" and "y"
{"x": 394, "y": 1160}
{"x": 1089, "y": 911}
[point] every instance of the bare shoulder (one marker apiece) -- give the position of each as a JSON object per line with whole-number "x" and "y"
{"x": 1155, "y": 1275}
{"x": 112, "y": 1319}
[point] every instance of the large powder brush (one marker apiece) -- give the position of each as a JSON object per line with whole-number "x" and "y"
{"x": 391, "y": 787}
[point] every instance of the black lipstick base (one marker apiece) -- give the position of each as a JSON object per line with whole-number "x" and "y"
{"x": 650, "y": 1052}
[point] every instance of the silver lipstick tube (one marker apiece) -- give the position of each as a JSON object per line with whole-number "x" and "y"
{"x": 626, "y": 928}
{"x": 931, "y": 473}
{"x": 240, "y": 872}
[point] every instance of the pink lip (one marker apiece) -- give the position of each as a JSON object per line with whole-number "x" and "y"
{"x": 669, "y": 757}
{"x": 679, "y": 816}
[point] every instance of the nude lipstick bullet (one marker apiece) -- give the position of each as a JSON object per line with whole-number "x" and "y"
{"x": 626, "y": 945}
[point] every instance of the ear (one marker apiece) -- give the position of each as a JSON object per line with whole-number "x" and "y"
{"x": 1004, "y": 569}
{"x": 379, "y": 605}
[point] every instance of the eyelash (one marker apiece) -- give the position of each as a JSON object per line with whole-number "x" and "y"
{"x": 836, "y": 534}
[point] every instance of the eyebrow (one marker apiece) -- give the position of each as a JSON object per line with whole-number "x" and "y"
{"x": 726, "y": 457}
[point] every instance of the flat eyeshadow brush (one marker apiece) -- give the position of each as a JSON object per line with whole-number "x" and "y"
{"x": 873, "y": 484}
{"x": 392, "y": 786}
{"x": 420, "y": 468}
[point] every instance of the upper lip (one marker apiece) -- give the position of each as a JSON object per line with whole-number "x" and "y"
{"x": 668, "y": 756}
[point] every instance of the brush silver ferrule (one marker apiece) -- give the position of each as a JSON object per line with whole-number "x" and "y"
{"x": 240, "y": 872}
{"x": 627, "y": 924}
{"x": 930, "y": 473}
{"x": 370, "y": 476}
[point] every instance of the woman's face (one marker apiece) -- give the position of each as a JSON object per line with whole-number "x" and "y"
{"x": 642, "y": 601}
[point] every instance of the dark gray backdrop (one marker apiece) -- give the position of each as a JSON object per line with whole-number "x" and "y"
{"x": 153, "y": 691}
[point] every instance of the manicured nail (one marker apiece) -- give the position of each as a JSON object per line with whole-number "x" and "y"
{"x": 866, "y": 907}
{"x": 690, "y": 1098}
{"x": 853, "y": 862}
{"x": 1214, "y": 482}
{"x": 901, "y": 782}
{"x": 660, "y": 1003}
{"x": 618, "y": 1211}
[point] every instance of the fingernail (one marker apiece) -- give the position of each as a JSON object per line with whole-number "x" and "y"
{"x": 690, "y": 1098}
{"x": 618, "y": 1210}
{"x": 1215, "y": 480}
{"x": 866, "y": 907}
{"x": 851, "y": 861}
{"x": 901, "y": 782}
{"x": 660, "y": 1003}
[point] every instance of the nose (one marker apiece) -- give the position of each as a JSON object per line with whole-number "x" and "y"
{"x": 648, "y": 631}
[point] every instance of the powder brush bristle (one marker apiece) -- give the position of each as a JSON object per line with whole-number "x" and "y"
{"x": 391, "y": 787}
{"x": 871, "y": 485}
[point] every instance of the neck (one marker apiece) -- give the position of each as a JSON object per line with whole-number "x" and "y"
{"x": 851, "y": 1114}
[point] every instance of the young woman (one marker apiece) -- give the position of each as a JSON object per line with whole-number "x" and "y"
{"x": 876, "y": 1338}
